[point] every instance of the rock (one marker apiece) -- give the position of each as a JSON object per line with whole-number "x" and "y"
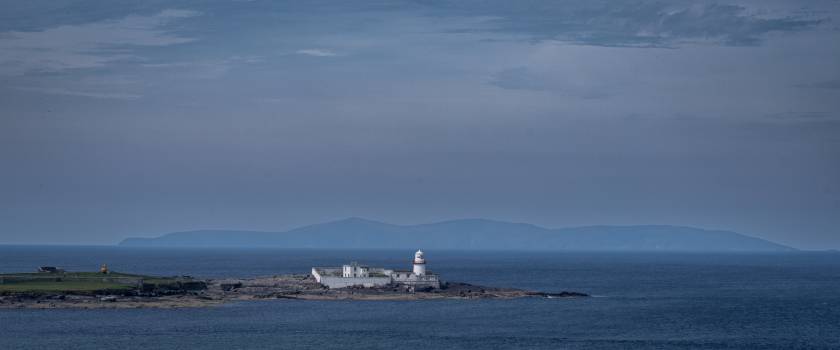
{"x": 108, "y": 298}
{"x": 195, "y": 285}
{"x": 563, "y": 294}
{"x": 227, "y": 287}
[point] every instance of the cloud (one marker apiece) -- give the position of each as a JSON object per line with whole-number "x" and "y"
{"x": 639, "y": 24}
{"x": 91, "y": 94}
{"x": 522, "y": 78}
{"x": 316, "y": 52}
{"x": 825, "y": 84}
{"x": 206, "y": 69}
{"x": 176, "y": 13}
{"x": 808, "y": 116}
{"x": 87, "y": 45}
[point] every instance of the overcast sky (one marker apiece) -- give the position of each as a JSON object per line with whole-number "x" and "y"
{"x": 137, "y": 118}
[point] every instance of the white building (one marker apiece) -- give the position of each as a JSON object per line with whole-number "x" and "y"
{"x": 354, "y": 274}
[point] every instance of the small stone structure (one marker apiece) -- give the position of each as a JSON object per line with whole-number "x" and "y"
{"x": 49, "y": 269}
{"x": 354, "y": 274}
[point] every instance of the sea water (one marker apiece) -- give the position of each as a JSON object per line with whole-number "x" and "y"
{"x": 641, "y": 300}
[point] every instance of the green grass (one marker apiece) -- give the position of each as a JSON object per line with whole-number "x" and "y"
{"x": 64, "y": 286}
{"x": 71, "y": 275}
{"x": 74, "y": 282}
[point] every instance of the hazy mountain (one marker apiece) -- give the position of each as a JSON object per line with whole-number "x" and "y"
{"x": 477, "y": 234}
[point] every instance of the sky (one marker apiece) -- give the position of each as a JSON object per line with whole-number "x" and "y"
{"x": 129, "y": 118}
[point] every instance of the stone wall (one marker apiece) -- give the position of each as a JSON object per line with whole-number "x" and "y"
{"x": 332, "y": 278}
{"x": 341, "y": 282}
{"x": 319, "y": 272}
{"x": 419, "y": 281}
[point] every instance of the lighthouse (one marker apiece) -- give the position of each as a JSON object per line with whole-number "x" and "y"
{"x": 419, "y": 263}
{"x": 354, "y": 274}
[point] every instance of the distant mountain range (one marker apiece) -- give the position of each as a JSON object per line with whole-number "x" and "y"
{"x": 470, "y": 234}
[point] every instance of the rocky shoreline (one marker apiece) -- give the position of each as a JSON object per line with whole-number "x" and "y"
{"x": 215, "y": 292}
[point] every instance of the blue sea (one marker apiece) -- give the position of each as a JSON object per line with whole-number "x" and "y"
{"x": 641, "y": 301}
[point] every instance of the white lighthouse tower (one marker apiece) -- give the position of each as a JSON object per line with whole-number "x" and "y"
{"x": 419, "y": 263}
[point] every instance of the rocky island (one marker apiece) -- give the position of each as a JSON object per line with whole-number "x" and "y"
{"x": 51, "y": 287}
{"x": 119, "y": 290}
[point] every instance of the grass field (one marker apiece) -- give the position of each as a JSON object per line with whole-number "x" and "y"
{"x": 73, "y": 282}
{"x": 64, "y": 286}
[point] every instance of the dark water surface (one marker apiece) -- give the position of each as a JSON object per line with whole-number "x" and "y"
{"x": 643, "y": 300}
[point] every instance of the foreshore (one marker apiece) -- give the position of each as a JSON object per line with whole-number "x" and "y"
{"x": 219, "y": 291}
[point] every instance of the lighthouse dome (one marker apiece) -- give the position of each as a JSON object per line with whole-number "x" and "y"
{"x": 418, "y": 255}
